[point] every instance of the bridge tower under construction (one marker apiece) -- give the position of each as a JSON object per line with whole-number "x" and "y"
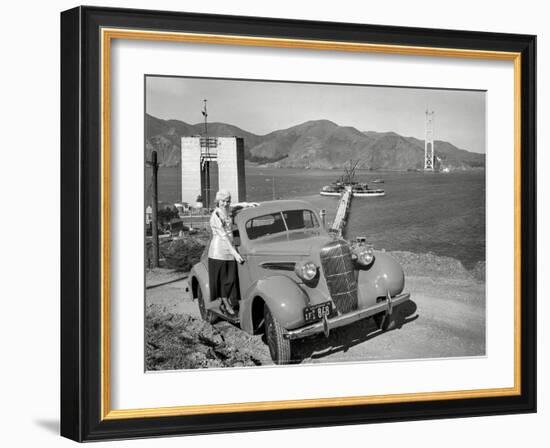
{"x": 429, "y": 142}
{"x": 202, "y": 153}
{"x": 201, "y": 157}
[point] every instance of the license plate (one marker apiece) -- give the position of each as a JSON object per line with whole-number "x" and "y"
{"x": 317, "y": 312}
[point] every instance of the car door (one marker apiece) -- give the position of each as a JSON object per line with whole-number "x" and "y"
{"x": 269, "y": 227}
{"x": 243, "y": 269}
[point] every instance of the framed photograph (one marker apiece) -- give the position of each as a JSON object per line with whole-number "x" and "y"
{"x": 274, "y": 224}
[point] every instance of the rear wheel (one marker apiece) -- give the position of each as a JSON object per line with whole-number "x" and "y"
{"x": 279, "y": 346}
{"x": 206, "y": 315}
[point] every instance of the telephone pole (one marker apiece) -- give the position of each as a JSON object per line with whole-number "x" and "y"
{"x": 206, "y": 159}
{"x": 154, "y": 215}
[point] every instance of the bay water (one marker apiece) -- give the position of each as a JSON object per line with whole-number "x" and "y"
{"x": 441, "y": 213}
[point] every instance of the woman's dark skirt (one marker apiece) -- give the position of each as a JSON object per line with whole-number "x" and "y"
{"x": 224, "y": 280}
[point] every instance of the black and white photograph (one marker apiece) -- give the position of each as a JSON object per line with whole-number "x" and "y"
{"x": 292, "y": 223}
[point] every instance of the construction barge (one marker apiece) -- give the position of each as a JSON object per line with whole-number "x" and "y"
{"x": 347, "y": 183}
{"x": 358, "y": 190}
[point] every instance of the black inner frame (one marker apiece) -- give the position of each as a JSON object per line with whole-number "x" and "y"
{"x": 81, "y": 221}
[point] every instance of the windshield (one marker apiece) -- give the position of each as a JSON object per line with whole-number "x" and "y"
{"x": 274, "y": 223}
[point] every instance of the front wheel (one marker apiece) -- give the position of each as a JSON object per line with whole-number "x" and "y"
{"x": 279, "y": 346}
{"x": 207, "y": 316}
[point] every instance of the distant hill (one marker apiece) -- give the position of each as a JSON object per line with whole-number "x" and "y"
{"x": 313, "y": 144}
{"x": 164, "y": 136}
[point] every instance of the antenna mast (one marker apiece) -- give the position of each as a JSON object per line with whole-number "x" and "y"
{"x": 205, "y": 114}
{"x": 429, "y": 142}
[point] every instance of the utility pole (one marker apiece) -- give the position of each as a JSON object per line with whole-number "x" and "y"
{"x": 207, "y": 159}
{"x": 154, "y": 216}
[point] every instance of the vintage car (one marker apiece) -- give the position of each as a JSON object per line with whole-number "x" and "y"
{"x": 299, "y": 280}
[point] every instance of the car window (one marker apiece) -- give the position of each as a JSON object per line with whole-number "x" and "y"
{"x": 265, "y": 225}
{"x": 300, "y": 219}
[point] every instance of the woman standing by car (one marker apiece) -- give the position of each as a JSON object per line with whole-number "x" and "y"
{"x": 222, "y": 256}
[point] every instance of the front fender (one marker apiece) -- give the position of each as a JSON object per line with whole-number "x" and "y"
{"x": 199, "y": 273}
{"x": 385, "y": 274}
{"x": 285, "y": 299}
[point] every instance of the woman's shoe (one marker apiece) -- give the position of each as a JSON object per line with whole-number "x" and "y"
{"x": 226, "y": 307}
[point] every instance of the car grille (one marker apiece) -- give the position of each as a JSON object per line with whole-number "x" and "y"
{"x": 340, "y": 277}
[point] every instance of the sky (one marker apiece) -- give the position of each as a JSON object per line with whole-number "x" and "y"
{"x": 261, "y": 107}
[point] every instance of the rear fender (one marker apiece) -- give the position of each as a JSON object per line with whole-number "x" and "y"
{"x": 285, "y": 299}
{"x": 385, "y": 274}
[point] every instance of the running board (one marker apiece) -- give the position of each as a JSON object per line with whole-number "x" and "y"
{"x": 214, "y": 308}
{"x": 234, "y": 320}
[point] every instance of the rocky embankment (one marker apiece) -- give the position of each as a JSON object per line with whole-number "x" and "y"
{"x": 181, "y": 341}
{"x": 431, "y": 265}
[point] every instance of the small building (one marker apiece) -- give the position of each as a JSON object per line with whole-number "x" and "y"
{"x": 182, "y": 207}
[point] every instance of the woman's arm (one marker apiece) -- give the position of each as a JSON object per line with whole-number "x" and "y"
{"x": 218, "y": 229}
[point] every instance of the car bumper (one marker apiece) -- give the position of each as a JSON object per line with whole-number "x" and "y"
{"x": 325, "y": 325}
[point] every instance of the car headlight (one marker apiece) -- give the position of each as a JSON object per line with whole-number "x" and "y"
{"x": 365, "y": 256}
{"x": 306, "y": 271}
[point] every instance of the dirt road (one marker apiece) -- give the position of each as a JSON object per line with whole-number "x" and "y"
{"x": 445, "y": 318}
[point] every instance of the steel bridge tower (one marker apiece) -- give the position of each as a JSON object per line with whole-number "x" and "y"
{"x": 429, "y": 142}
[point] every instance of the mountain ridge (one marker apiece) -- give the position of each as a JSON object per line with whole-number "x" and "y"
{"x": 312, "y": 144}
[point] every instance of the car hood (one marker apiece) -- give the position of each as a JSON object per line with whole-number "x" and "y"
{"x": 292, "y": 246}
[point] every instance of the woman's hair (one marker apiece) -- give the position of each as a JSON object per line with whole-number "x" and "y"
{"x": 222, "y": 195}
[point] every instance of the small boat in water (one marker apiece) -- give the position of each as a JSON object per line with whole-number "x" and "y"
{"x": 330, "y": 193}
{"x": 368, "y": 193}
{"x": 377, "y": 181}
{"x": 359, "y": 190}
{"x": 334, "y": 189}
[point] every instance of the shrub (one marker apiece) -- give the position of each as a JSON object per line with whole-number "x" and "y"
{"x": 165, "y": 215}
{"x": 183, "y": 253}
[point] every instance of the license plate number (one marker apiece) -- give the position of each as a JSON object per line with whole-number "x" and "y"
{"x": 317, "y": 312}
